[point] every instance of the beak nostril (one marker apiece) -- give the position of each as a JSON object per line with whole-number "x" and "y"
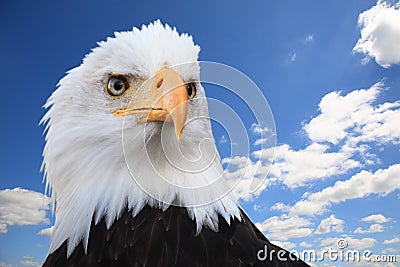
{"x": 159, "y": 83}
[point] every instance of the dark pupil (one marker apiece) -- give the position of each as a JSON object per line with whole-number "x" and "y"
{"x": 189, "y": 89}
{"x": 118, "y": 85}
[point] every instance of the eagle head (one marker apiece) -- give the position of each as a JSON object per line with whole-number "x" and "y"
{"x": 129, "y": 127}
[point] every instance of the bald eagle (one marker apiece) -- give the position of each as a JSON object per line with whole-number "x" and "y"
{"x": 125, "y": 168}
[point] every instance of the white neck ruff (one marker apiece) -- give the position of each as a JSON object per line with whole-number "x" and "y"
{"x": 91, "y": 178}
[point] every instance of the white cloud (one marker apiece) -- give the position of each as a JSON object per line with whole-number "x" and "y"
{"x": 249, "y": 173}
{"x": 22, "y": 207}
{"x": 361, "y": 243}
{"x": 261, "y": 141}
{"x": 298, "y": 167}
{"x": 46, "y": 231}
{"x": 309, "y": 38}
{"x": 391, "y": 241}
{"x": 265, "y": 135}
{"x": 377, "y": 218}
{"x": 284, "y": 244}
{"x": 285, "y": 228}
{"x": 353, "y": 243}
{"x": 260, "y": 207}
{"x": 362, "y": 184}
{"x": 374, "y": 228}
{"x": 340, "y": 136}
{"x": 3, "y": 228}
{"x": 380, "y": 34}
{"x": 3, "y": 264}
{"x": 293, "y": 56}
{"x": 30, "y": 263}
{"x": 305, "y": 245}
{"x": 241, "y": 191}
{"x": 238, "y": 161}
{"x": 279, "y": 206}
{"x": 388, "y": 250}
{"x": 354, "y": 118}
{"x": 262, "y": 130}
{"x": 330, "y": 224}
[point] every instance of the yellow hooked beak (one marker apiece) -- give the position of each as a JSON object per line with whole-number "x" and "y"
{"x": 164, "y": 99}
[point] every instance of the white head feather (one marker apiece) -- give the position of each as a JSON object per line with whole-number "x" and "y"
{"x": 97, "y": 164}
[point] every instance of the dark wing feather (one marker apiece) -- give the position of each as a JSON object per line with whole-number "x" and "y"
{"x": 168, "y": 238}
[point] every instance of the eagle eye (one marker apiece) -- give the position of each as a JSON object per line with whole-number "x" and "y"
{"x": 191, "y": 90}
{"x": 117, "y": 85}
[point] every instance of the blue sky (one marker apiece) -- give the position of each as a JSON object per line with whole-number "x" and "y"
{"x": 304, "y": 58}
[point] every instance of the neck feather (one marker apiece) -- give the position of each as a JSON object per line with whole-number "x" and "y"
{"x": 91, "y": 180}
